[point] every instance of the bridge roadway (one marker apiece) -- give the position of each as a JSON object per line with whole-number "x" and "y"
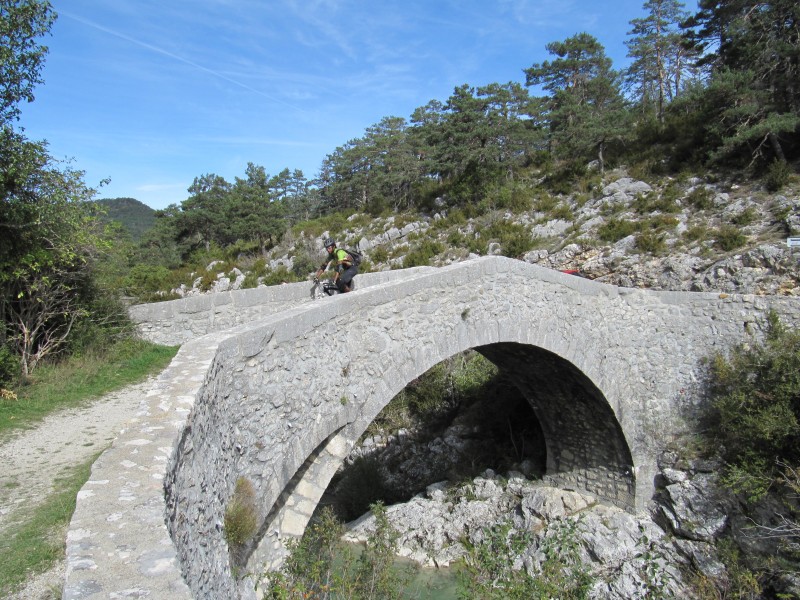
{"x": 270, "y": 386}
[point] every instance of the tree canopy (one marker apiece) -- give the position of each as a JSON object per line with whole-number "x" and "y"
{"x": 22, "y": 24}
{"x": 49, "y": 234}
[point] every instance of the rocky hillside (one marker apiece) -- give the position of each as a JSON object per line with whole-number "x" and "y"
{"x": 690, "y": 235}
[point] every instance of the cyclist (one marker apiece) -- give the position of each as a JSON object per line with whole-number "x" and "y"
{"x": 343, "y": 266}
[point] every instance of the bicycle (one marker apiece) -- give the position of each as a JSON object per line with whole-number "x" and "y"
{"x": 328, "y": 288}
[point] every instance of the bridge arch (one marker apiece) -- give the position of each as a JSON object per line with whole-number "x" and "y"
{"x": 585, "y": 445}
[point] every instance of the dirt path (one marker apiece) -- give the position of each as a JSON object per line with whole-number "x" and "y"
{"x": 32, "y": 460}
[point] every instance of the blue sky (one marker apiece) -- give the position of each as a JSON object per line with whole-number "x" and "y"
{"x": 154, "y": 93}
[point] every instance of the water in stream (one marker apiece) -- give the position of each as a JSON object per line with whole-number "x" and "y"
{"x": 432, "y": 584}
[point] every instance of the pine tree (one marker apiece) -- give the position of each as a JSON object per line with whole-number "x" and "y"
{"x": 585, "y": 109}
{"x": 662, "y": 64}
{"x": 757, "y": 44}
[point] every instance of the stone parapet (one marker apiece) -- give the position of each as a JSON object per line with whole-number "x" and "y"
{"x": 175, "y": 322}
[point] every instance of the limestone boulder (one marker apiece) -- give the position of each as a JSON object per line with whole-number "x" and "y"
{"x": 692, "y": 511}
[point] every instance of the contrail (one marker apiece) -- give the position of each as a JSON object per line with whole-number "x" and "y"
{"x": 178, "y": 58}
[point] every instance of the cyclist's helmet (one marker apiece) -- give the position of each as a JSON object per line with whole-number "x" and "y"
{"x": 329, "y": 242}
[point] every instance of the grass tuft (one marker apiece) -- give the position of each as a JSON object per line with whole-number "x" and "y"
{"x": 241, "y": 515}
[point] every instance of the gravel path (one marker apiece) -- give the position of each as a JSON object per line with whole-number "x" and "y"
{"x": 31, "y": 461}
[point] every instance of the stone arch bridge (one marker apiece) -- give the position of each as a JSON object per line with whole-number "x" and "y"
{"x": 277, "y": 388}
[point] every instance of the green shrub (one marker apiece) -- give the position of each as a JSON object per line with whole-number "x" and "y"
{"x": 106, "y": 323}
{"x": 9, "y": 365}
{"x": 590, "y": 182}
{"x": 250, "y": 281}
{"x": 376, "y": 206}
{"x": 375, "y": 576}
{"x": 425, "y": 192}
{"x": 333, "y": 222}
{"x": 545, "y": 203}
{"x": 447, "y": 385}
{"x": 490, "y": 572}
{"x": 614, "y": 230}
{"x": 304, "y": 262}
{"x": 379, "y": 254}
{"x": 475, "y": 210}
{"x": 645, "y": 168}
{"x": 359, "y": 220}
{"x": 513, "y": 197}
{"x": 430, "y": 395}
{"x": 437, "y": 392}
{"x": 781, "y": 213}
{"x": 440, "y": 224}
{"x": 475, "y": 245}
{"x": 320, "y": 566}
{"x": 777, "y": 175}
{"x": 201, "y": 257}
{"x": 308, "y": 571}
{"x": 455, "y": 216}
{"x": 696, "y": 233}
{"x": 701, "y": 198}
{"x": 651, "y": 241}
{"x": 744, "y": 218}
{"x": 207, "y": 280}
{"x": 660, "y": 223}
{"x": 514, "y": 238}
{"x": 756, "y": 409}
{"x": 729, "y": 237}
{"x": 422, "y": 254}
{"x": 563, "y": 212}
{"x": 259, "y": 267}
{"x": 609, "y": 209}
{"x": 737, "y": 580}
{"x": 241, "y": 248}
{"x": 671, "y": 192}
{"x": 144, "y": 281}
{"x": 652, "y": 202}
{"x": 581, "y": 199}
{"x": 279, "y": 275}
{"x": 567, "y": 178}
{"x": 456, "y": 239}
{"x": 241, "y": 516}
{"x": 254, "y": 272}
{"x": 516, "y": 244}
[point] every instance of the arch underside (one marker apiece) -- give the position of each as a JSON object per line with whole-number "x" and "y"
{"x": 586, "y": 448}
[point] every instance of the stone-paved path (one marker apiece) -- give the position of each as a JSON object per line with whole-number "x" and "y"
{"x": 32, "y": 460}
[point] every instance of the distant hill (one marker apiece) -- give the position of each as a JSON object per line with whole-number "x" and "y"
{"x": 133, "y": 215}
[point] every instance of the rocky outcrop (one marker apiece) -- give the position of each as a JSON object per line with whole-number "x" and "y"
{"x": 657, "y": 554}
{"x": 628, "y": 556}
